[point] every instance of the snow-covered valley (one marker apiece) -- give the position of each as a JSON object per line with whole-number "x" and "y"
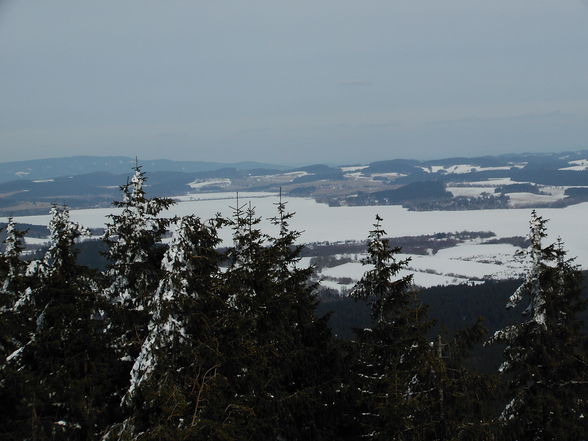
{"x": 468, "y": 262}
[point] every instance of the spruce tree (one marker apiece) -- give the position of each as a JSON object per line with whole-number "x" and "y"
{"x": 459, "y": 398}
{"x": 283, "y": 373}
{"x": 247, "y": 289}
{"x": 392, "y": 367}
{"x": 58, "y": 378}
{"x": 170, "y": 378}
{"x": 304, "y": 361}
{"x": 545, "y": 362}
{"x": 133, "y": 237}
{"x": 12, "y": 283}
{"x": 12, "y": 265}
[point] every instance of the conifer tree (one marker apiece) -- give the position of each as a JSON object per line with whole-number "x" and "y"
{"x": 133, "y": 237}
{"x": 247, "y": 289}
{"x": 57, "y": 379}
{"x": 162, "y": 401}
{"x": 459, "y": 398}
{"x": 304, "y": 361}
{"x": 134, "y": 253}
{"x": 13, "y": 267}
{"x": 545, "y": 358}
{"x": 282, "y": 372}
{"x": 392, "y": 364}
{"x": 12, "y": 272}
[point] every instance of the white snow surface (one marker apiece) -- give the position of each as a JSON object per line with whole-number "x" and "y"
{"x": 476, "y": 188}
{"x": 282, "y": 177}
{"x": 220, "y": 196}
{"x": 494, "y": 182}
{"x": 520, "y": 200}
{"x": 320, "y": 223}
{"x": 296, "y": 174}
{"x": 36, "y": 240}
{"x": 469, "y": 191}
{"x": 577, "y": 165}
{"x": 355, "y": 271}
{"x": 353, "y": 168}
{"x": 388, "y": 175}
{"x": 551, "y": 194}
{"x": 459, "y": 169}
{"x": 202, "y": 183}
{"x": 333, "y": 284}
{"x": 358, "y": 176}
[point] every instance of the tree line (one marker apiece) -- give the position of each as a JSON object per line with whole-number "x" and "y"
{"x": 189, "y": 341}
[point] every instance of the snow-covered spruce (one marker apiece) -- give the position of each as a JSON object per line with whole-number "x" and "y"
{"x": 58, "y": 260}
{"x": 543, "y": 357}
{"x": 165, "y": 327}
{"x": 539, "y": 257}
{"x": 12, "y": 290}
{"x": 167, "y": 331}
{"x": 11, "y": 257}
{"x": 132, "y": 237}
{"x": 53, "y": 366}
{"x": 12, "y": 294}
{"x": 62, "y": 235}
{"x": 531, "y": 288}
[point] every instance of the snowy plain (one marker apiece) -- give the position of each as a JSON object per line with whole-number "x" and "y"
{"x": 320, "y": 223}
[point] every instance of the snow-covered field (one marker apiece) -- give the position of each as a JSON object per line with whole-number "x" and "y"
{"x": 203, "y": 183}
{"x": 459, "y": 169}
{"x": 578, "y": 165}
{"x": 465, "y": 263}
{"x": 319, "y": 223}
{"x": 549, "y": 193}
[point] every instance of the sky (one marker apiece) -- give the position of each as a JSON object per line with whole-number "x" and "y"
{"x": 292, "y": 82}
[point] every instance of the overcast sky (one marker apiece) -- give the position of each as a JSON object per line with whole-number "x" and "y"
{"x": 292, "y": 82}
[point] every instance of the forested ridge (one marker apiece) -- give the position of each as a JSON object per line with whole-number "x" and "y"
{"x": 188, "y": 341}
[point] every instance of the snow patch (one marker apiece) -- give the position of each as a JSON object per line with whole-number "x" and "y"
{"x": 353, "y": 168}
{"x": 388, "y": 175}
{"x": 358, "y": 176}
{"x": 282, "y": 177}
{"x": 460, "y": 169}
{"x": 470, "y": 191}
{"x": 521, "y": 200}
{"x": 578, "y": 165}
{"x": 200, "y": 184}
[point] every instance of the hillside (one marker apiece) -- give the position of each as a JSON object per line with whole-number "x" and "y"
{"x": 488, "y": 182}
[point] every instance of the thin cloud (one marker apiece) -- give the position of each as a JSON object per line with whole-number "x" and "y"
{"x": 518, "y": 117}
{"x": 356, "y": 83}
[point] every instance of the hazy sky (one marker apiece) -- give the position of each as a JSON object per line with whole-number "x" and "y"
{"x": 284, "y": 81}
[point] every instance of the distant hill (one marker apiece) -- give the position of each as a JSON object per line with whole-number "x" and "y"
{"x": 80, "y": 165}
{"x": 487, "y": 182}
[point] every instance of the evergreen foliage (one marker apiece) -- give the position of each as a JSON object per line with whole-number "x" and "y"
{"x": 392, "y": 363}
{"x": 133, "y": 236}
{"x": 134, "y": 254}
{"x": 286, "y": 353}
{"x": 410, "y": 388}
{"x": 545, "y": 354}
{"x": 57, "y": 380}
{"x": 12, "y": 272}
{"x": 181, "y": 341}
{"x": 12, "y": 265}
{"x": 169, "y": 379}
